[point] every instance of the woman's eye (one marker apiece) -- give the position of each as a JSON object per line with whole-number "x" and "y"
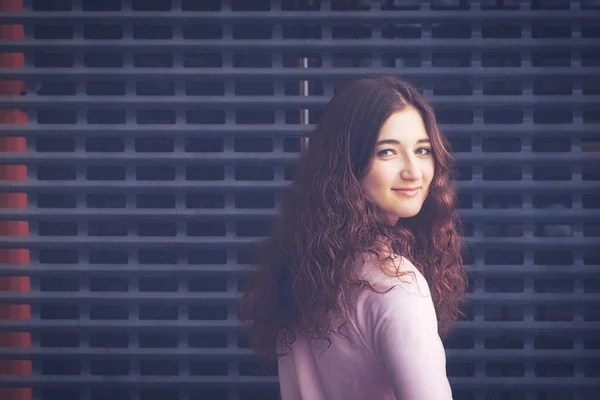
{"x": 423, "y": 151}
{"x": 382, "y": 152}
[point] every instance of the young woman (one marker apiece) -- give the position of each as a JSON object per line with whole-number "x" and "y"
{"x": 365, "y": 255}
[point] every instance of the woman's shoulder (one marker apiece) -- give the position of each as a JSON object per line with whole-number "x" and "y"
{"x": 395, "y": 273}
{"x": 400, "y": 294}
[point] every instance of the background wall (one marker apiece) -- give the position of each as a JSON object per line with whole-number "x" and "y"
{"x": 146, "y": 145}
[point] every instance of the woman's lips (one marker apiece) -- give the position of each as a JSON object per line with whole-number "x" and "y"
{"x": 408, "y": 192}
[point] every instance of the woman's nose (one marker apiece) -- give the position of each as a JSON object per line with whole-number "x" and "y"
{"x": 410, "y": 171}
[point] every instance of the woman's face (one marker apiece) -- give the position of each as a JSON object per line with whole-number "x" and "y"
{"x": 402, "y": 166}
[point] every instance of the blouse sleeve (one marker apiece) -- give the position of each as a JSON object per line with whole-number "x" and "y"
{"x": 406, "y": 341}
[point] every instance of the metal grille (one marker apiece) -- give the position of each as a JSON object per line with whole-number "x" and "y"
{"x": 161, "y": 134}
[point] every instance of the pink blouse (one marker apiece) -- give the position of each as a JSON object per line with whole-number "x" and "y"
{"x": 390, "y": 349}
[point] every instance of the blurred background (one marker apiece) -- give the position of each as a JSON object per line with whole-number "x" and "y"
{"x": 145, "y": 145}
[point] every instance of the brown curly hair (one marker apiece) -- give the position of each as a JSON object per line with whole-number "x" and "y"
{"x": 304, "y": 267}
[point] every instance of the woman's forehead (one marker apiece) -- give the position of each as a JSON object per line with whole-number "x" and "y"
{"x": 404, "y": 127}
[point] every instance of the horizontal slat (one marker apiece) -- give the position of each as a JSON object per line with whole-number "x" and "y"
{"x": 372, "y": 17}
{"x": 293, "y": 45}
{"x": 239, "y": 214}
{"x": 228, "y": 242}
{"x": 589, "y": 328}
{"x": 206, "y": 298}
{"x": 111, "y": 130}
{"x": 237, "y": 187}
{"x": 209, "y": 214}
{"x": 152, "y": 187}
{"x": 124, "y": 298}
{"x": 139, "y": 381}
{"x": 223, "y": 354}
{"x": 156, "y": 158}
{"x": 81, "y": 158}
{"x": 253, "y": 102}
{"x": 32, "y": 129}
{"x": 277, "y": 74}
{"x": 132, "y": 270}
{"x": 121, "y": 242}
{"x": 128, "y": 326}
{"x": 577, "y": 271}
{"x": 227, "y": 354}
{"x": 235, "y": 381}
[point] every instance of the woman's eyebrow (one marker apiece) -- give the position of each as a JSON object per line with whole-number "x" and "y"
{"x": 396, "y": 142}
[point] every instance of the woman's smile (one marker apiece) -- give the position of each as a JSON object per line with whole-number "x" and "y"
{"x": 408, "y": 192}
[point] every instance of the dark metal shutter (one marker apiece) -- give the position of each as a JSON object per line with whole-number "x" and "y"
{"x": 161, "y": 134}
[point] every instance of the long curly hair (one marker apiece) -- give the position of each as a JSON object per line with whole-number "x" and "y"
{"x": 305, "y": 265}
